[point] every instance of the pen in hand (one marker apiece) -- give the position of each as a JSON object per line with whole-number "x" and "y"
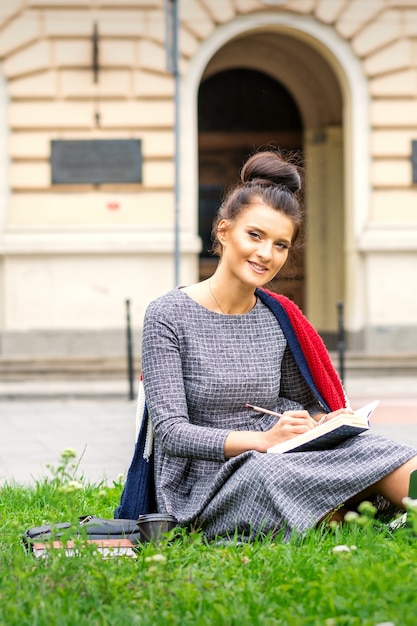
{"x": 261, "y": 410}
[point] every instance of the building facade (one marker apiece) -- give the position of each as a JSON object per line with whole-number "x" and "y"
{"x": 335, "y": 80}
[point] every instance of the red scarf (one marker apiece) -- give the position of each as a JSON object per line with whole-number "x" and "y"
{"x": 316, "y": 355}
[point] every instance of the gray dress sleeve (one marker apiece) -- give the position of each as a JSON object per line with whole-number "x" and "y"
{"x": 165, "y": 394}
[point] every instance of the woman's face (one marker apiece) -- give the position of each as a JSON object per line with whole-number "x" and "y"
{"x": 255, "y": 245}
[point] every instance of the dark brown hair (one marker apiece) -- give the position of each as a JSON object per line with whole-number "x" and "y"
{"x": 266, "y": 177}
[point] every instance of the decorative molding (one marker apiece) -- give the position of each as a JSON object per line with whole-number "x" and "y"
{"x": 394, "y": 238}
{"x": 4, "y": 156}
{"x": 57, "y": 243}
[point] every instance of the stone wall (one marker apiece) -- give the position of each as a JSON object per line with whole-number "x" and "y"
{"x": 71, "y": 255}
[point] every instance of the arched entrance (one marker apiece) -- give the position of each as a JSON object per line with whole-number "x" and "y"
{"x": 239, "y": 110}
{"x": 307, "y": 84}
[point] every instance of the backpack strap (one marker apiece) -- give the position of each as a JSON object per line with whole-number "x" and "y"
{"x": 138, "y": 496}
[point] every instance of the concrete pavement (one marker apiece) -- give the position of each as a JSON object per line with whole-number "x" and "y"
{"x": 39, "y": 420}
{"x": 34, "y": 433}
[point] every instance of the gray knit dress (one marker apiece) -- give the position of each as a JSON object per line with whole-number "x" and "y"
{"x": 199, "y": 370}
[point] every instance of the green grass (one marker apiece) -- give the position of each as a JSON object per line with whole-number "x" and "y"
{"x": 189, "y": 582}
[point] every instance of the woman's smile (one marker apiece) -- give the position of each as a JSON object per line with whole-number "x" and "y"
{"x": 261, "y": 269}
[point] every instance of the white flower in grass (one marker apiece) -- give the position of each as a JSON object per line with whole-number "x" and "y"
{"x": 156, "y": 558}
{"x": 76, "y": 485}
{"x": 410, "y": 504}
{"x": 351, "y": 516}
{"x": 385, "y": 624}
{"x": 70, "y": 486}
{"x": 341, "y": 548}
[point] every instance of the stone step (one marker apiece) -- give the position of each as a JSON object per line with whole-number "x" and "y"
{"x": 377, "y": 365}
{"x": 65, "y": 369}
{"x": 78, "y": 369}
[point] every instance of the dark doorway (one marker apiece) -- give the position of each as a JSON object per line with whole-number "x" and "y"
{"x": 240, "y": 111}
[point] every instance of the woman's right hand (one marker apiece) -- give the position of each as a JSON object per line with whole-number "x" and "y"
{"x": 291, "y": 423}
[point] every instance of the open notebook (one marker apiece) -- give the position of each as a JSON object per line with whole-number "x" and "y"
{"x": 327, "y": 435}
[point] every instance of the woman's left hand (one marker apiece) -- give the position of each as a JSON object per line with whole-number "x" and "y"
{"x": 325, "y": 417}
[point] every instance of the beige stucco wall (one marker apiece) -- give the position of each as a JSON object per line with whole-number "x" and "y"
{"x": 69, "y": 257}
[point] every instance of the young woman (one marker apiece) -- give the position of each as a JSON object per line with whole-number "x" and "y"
{"x": 210, "y": 348}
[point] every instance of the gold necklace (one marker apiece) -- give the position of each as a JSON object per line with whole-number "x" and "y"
{"x": 214, "y": 298}
{"x": 220, "y": 306}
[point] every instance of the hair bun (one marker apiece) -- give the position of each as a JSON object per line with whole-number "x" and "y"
{"x": 271, "y": 168}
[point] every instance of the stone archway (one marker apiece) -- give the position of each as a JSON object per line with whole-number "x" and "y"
{"x": 314, "y": 90}
{"x": 325, "y": 78}
{"x": 239, "y": 111}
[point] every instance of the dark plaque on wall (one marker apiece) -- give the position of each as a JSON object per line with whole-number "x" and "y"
{"x": 96, "y": 161}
